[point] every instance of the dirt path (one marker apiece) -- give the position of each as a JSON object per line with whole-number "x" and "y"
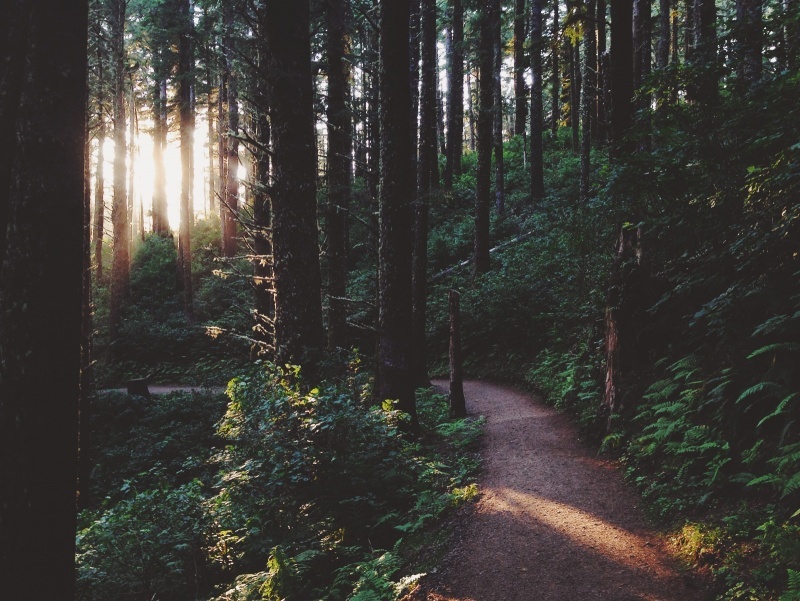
{"x": 554, "y": 522}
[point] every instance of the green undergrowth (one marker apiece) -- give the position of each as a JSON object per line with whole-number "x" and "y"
{"x": 273, "y": 492}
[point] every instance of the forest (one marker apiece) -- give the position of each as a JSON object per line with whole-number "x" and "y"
{"x": 245, "y": 243}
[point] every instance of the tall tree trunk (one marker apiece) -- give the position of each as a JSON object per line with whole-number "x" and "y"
{"x": 664, "y": 33}
{"x": 602, "y": 76}
{"x": 99, "y": 176}
{"x": 749, "y": 33}
{"x": 340, "y": 147}
{"x": 87, "y": 379}
{"x": 42, "y": 141}
{"x": 621, "y": 74}
{"x": 160, "y": 215}
{"x": 264, "y": 301}
{"x": 537, "y": 117}
{"x": 427, "y": 157}
{"x": 520, "y": 89}
{"x": 298, "y": 307}
{"x": 120, "y": 266}
{"x": 414, "y": 40}
{"x": 488, "y": 16}
{"x": 705, "y": 51}
{"x": 187, "y": 123}
{"x": 555, "y": 81}
{"x": 642, "y": 56}
{"x": 471, "y": 110}
{"x": 230, "y": 206}
{"x": 131, "y": 165}
{"x": 397, "y": 171}
{"x": 499, "y": 167}
{"x": 588, "y": 99}
{"x": 575, "y": 93}
{"x": 455, "y": 106}
{"x": 374, "y": 121}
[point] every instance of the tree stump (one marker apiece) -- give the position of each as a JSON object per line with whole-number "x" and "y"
{"x": 457, "y": 403}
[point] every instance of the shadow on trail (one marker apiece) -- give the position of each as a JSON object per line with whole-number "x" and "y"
{"x": 554, "y": 522}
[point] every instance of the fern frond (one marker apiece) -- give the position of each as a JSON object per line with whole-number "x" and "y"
{"x": 789, "y": 347}
{"x": 779, "y": 409}
{"x": 759, "y": 388}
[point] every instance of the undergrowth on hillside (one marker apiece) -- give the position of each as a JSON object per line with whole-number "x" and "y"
{"x": 280, "y": 492}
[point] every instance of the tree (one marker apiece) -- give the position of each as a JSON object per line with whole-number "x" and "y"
{"x": 298, "y": 307}
{"x": 488, "y": 14}
{"x": 42, "y": 138}
{"x": 99, "y": 195}
{"x": 120, "y": 266}
{"x": 537, "y": 118}
{"x": 621, "y": 73}
{"x": 455, "y": 105}
{"x": 425, "y": 183}
{"x": 588, "y": 99}
{"x": 340, "y": 148}
{"x": 396, "y": 173}
{"x": 497, "y": 125}
{"x": 749, "y": 32}
{"x": 520, "y": 89}
{"x": 229, "y": 141}
{"x": 186, "y": 124}
{"x": 555, "y": 49}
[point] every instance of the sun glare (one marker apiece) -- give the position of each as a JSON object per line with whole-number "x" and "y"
{"x": 144, "y": 174}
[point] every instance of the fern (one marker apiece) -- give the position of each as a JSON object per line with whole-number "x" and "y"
{"x": 757, "y": 389}
{"x": 793, "y": 589}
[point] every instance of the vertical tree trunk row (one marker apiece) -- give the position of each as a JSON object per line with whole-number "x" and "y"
{"x": 520, "y": 89}
{"x": 455, "y": 106}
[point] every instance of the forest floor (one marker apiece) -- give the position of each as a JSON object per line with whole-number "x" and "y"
{"x": 554, "y": 521}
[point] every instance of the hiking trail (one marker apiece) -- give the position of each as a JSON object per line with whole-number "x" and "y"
{"x": 554, "y": 521}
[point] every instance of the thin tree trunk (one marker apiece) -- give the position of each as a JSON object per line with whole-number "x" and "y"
{"x": 42, "y": 203}
{"x": 187, "y": 124}
{"x": 458, "y": 406}
{"x": 471, "y": 111}
{"x": 486, "y": 63}
{"x": 397, "y": 171}
{"x": 537, "y": 117}
{"x": 588, "y": 99}
{"x": 520, "y": 89}
{"x": 575, "y": 93}
{"x": 455, "y": 106}
{"x": 555, "y": 82}
{"x": 131, "y": 165}
{"x": 705, "y": 52}
{"x": 230, "y": 206}
{"x": 602, "y": 76}
{"x": 499, "y": 167}
{"x": 427, "y": 156}
{"x": 340, "y": 147}
{"x": 160, "y": 215}
{"x": 298, "y": 307}
{"x": 642, "y": 56}
{"x": 120, "y": 266}
{"x": 100, "y": 185}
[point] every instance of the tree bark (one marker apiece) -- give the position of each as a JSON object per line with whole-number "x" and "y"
{"x": 749, "y": 33}
{"x": 425, "y": 183}
{"x": 537, "y": 117}
{"x": 555, "y": 82}
{"x": 397, "y": 172}
{"x": 621, "y": 74}
{"x": 187, "y": 123}
{"x": 455, "y": 106}
{"x": 499, "y": 167}
{"x": 588, "y": 99}
{"x": 120, "y": 266}
{"x": 705, "y": 52}
{"x": 298, "y": 307}
{"x": 230, "y": 206}
{"x": 486, "y": 62}
{"x": 340, "y": 147}
{"x": 100, "y": 184}
{"x": 160, "y": 214}
{"x": 458, "y": 406}
{"x": 520, "y": 89}
{"x": 602, "y": 76}
{"x": 42, "y": 143}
